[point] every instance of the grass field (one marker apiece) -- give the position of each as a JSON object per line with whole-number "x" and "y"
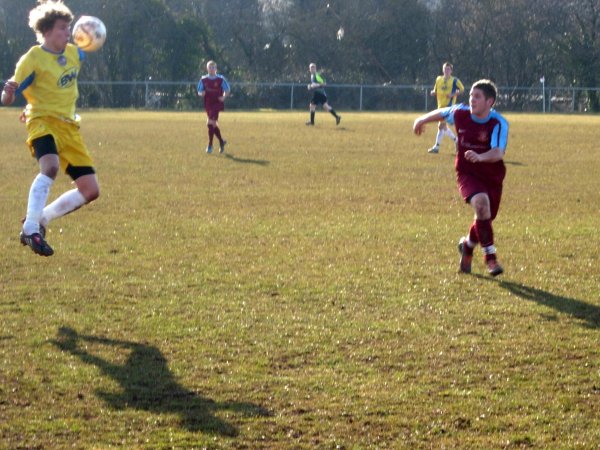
{"x": 301, "y": 291}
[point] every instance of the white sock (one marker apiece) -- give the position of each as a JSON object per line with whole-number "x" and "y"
{"x": 38, "y": 195}
{"x": 438, "y": 138}
{"x": 489, "y": 250}
{"x": 450, "y": 134}
{"x": 66, "y": 203}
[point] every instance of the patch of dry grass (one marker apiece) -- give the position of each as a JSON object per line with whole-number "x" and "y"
{"x": 301, "y": 290}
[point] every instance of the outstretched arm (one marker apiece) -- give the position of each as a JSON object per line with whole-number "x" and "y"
{"x": 433, "y": 116}
{"x": 8, "y": 93}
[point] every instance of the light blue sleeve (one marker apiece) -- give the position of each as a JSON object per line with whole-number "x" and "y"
{"x": 499, "y": 138}
{"x": 225, "y": 84}
{"x": 200, "y": 87}
{"x": 448, "y": 112}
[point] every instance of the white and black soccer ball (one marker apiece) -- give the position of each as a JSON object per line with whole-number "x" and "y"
{"x": 89, "y": 33}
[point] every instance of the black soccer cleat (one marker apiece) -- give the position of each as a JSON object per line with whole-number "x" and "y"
{"x": 42, "y": 228}
{"x": 37, "y": 243}
{"x": 338, "y": 119}
{"x": 465, "y": 258}
{"x": 493, "y": 268}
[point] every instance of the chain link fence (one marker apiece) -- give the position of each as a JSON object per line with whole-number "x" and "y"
{"x": 294, "y": 96}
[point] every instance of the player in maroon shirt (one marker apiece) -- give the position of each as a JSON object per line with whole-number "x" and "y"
{"x": 482, "y": 137}
{"x": 214, "y": 88}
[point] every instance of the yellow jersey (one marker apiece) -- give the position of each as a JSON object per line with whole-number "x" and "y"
{"x": 48, "y": 81}
{"x": 444, "y": 87}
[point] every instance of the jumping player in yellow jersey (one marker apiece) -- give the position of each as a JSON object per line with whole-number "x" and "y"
{"x": 447, "y": 88}
{"x": 47, "y": 77}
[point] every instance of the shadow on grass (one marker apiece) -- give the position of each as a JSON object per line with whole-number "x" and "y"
{"x": 260, "y": 162}
{"x": 576, "y": 308}
{"x": 513, "y": 163}
{"x": 508, "y": 163}
{"x": 148, "y": 384}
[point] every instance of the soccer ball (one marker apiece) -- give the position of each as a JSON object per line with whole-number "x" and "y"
{"x": 89, "y": 33}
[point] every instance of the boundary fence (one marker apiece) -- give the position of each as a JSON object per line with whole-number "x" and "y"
{"x": 169, "y": 95}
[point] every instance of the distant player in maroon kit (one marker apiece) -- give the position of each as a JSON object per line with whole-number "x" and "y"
{"x": 482, "y": 137}
{"x": 214, "y": 88}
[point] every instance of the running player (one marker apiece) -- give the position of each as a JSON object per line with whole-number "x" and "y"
{"x": 47, "y": 77}
{"x": 214, "y": 88}
{"x": 319, "y": 97}
{"x": 482, "y": 138}
{"x": 447, "y": 88}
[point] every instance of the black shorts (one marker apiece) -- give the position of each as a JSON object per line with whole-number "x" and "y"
{"x": 318, "y": 98}
{"x": 45, "y": 145}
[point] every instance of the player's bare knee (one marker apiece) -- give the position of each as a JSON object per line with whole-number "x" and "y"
{"x": 50, "y": 171}
{"x": 481, "y": 205}
{"x": 90, "y": 193}
{"x": 482, "y": 210}
{"x": 483, "y": 213}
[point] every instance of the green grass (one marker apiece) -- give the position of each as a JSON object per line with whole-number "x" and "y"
{"x": 301, "y": 291}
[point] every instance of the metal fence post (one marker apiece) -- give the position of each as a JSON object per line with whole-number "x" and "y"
{"x": 146, "y": 94}
{"x": 292, "y": 97}
{"x": 360, "y": 98}
{"x": 543, "y": 81}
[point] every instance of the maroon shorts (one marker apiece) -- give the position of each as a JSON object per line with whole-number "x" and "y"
{"x": 213, "y": 109}
{"x": 469, "y": 185}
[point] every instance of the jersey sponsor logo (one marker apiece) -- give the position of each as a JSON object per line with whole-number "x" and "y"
{"x": 67, "y": 78}
{"x": 212, "y": 86}
{"x": 474, "y": 146}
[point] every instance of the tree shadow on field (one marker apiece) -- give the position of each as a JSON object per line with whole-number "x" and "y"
{"x": 148, "y": 384}
{"x": 260, "y": 162}
{"x": 577, "y": 308}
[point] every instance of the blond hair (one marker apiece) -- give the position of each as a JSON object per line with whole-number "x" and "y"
{"x": 43, "y": 17}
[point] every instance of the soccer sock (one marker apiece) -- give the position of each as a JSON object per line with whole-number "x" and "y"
{"x": 211, "y": 134}
{"x": 333, "y": 113}
{"x": 66, "y": 203}
{"x": 38, "y": 195}
{"x": 218, "y": 134}
{"x": 450, "y": 134}
{"x": 472, "y": 239}
{"x": 312, "y": 117}
{"x": 438, "y": 138}
{"x": 485, "y": 234}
